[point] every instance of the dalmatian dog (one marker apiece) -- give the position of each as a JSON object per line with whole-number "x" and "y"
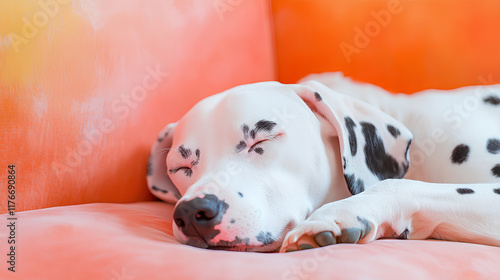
{"x": 270, "y": 166}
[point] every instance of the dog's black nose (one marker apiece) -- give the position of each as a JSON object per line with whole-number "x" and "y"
{"x": 197, "y": 217}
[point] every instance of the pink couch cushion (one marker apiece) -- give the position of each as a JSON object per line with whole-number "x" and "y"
{"x": 134, "y": 241}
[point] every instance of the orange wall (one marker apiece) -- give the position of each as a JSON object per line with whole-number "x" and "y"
{"x": 409, "y": 45}
{"x": 87, "y": 85}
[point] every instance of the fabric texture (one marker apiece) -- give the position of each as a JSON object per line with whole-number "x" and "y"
{"x": 134, "y": 241}
{"x": 77, "y": 123}
{"x": 86, "y": 91}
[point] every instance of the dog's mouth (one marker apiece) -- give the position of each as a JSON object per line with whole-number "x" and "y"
{"x": 270, "y": 248}
{"x": 235, "y": 246}
{"x": 241, "y": 244}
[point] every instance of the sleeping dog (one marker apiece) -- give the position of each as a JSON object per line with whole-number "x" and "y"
{"x": 267, "y": 166}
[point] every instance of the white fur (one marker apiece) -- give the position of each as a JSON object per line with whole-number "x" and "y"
{"x": 308, "y": 153}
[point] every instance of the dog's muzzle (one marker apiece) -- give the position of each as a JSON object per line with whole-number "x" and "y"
{"x": 198, "y": 217}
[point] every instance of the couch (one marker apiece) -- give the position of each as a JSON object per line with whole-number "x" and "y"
{"x": 86, "y": 85}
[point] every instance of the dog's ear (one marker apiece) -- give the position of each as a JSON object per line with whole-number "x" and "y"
{"x": 159, "y": 182}
{"x": 374, "y": 146}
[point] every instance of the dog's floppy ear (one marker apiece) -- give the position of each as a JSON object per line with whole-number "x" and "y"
{"x": 374, "y": 146}
{"x": 159, "y": 182}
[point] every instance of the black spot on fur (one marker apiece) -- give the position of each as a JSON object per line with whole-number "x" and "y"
{"x": 493, "y": 100}
{"x": 493, "y": 146}
{"x": 404, "y": 235}
{"x": 188, "y": 172}
{"x": 265, "y": 237}
{"x": 497, "y": 191}
{"x": 465, "y": 191}
{"x": 317, "y": 96}
{"x": 406, "y": 165}
{"x": 495, "y": 171}
{"x": 227, "y": 245}
{"x": 161, "y": 138}
{"x": 393, "y": 131}
{"x": 253, "y": 133}
{"x": 233, "y": 221}
{"x": 264, "y": 125}
{"x": 345, "y": 162}
{"x": 353, "y": 143}
{"x": 245, "y": 129}
{"x": 150, "y": 167}
{"x": 197, "y": 160}
{"x": 381, "y": 164}
{"x": 240, "y": 194}
{"x": 185, "y": 153}
{"x": 156, "y": 189}
{"x": 247, "y": 133}
{"x": 242, "y": 145}
{"x": 460, "y": 154}
{"x": 355, "y": 185}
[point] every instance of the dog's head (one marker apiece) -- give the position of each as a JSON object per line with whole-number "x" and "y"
{"x": 246, "y": 165}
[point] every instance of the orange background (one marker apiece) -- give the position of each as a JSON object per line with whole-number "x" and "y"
{"x": 80, "y": 71}
{"x": 76, "y": 126}
{"x": 425, "y": 44}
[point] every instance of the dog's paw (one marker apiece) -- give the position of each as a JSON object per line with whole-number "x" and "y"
{"x": 314, "y": 233}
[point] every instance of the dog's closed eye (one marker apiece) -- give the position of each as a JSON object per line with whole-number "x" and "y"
{"x": 187, "y": 170}
{"x": 257, "y": 149}
{"x": 187, "y": 154}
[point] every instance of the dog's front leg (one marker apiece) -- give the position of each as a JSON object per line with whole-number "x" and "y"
{"x": 404, "y": 209}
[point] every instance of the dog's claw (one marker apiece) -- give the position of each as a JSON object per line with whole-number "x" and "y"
{"x": 305, "y": 246}
{"x": 325, "y": 238}
{"x": 313, "y": 233}
{"x": 288, "y": 250}
{"x": 350, "y": 235}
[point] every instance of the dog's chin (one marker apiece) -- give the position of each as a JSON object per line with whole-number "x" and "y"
{"x": 239, "y": 244}
{"x": 270, "y": 248}
{"x": 239, "y": 247}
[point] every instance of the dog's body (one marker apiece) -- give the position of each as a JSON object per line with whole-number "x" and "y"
{"x": 439, "y": 120}
{"x": 249, "y": 165}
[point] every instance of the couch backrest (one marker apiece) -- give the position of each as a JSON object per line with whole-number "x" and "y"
{"x": 401, "y": 45}
{"x": 87, "y": 85}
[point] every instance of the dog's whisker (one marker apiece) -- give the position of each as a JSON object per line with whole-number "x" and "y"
{"x": 163, "y": 151}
